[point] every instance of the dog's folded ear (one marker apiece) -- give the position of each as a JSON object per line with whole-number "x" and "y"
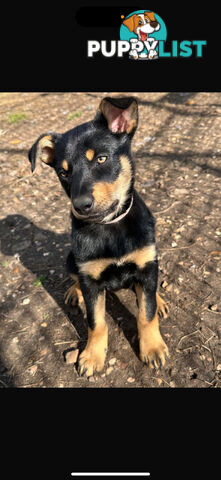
{"x": 129, "y": 22}
{"x": 120, "y": 113}
{"x": 43, "y": 149}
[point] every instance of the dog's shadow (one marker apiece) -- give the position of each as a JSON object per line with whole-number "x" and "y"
{"x": 44, "y": 253}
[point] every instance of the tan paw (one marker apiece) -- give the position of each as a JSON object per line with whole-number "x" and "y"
{"x": 162, "y": 308}
{"x": 91, "y": 360}
{"x": 74, "y": 296}
{"x": 153, "y": 350}
{"x": 70, "y": 296}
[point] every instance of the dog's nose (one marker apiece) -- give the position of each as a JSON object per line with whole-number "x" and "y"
{"x": 83, "y": 204}
{"x": 153, "y": 24}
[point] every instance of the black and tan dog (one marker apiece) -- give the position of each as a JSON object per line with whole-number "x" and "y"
{"x": 113, "y": 242}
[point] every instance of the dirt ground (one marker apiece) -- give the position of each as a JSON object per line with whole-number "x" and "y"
{"x": 177, "y": 149}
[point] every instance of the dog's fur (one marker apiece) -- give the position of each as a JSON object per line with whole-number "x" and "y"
{"x": 113, "y": 241}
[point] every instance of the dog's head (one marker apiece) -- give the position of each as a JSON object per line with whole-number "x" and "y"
{"x": 142, "y": 24}
{"x": 93, "y": 161}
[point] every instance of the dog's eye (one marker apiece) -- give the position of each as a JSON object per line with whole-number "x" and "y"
{"x": 140, "y": 22}
{"x": 101, "y": 159}
{"x": 63, "y": 173}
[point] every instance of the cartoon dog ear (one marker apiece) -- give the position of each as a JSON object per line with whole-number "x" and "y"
{"x": 150, "y": 16}
{"x": 43, "y": 149}
{"x": 121, "y": 114}
{"x": 129, "y": 22}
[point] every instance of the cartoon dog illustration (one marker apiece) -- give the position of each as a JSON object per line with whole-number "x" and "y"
{"x": 142, "y": 24}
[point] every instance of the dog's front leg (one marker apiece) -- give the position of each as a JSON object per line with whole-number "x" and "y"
{"x": 153, "y": 349}
{"x": 93, "y": 356}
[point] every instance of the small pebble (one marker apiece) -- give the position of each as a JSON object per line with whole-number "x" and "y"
{"x": 131, "y": 379}
{"x": 26, "y": 301}
{"x": 33, "y": 369}
{"x": 123, "y": 365}
{"x": 112, "y": 361}
{"x": 109, "y": 370}
{"x": 71, "y": 357}
{"x": 214, "y": 307}
{"x": 159, "y": 381}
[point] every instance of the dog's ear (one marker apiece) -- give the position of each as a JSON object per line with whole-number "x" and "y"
{"x": 129, "y": 22}
{"x": 121, "y": 114}
{"x": 150, "y": 16}
{"x": 43, "y": 149}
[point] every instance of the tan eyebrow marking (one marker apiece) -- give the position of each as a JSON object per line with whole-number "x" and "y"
{"x": 90, "y": 154}
{"x": 65, "y": 165}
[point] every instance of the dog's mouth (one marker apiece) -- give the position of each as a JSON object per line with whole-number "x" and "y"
{"x": 143, "y": 36}
{"x": 96, "y": 217}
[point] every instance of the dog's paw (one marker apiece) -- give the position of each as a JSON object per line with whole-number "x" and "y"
{"x": 133, "y": 54}
{"x": 162, "y": 308}
{"x": 90, "y": 361}
{"x": 152, "y": 54}
{"x": 153, "y": 350}
{"x": 70, "y": 296}
{"x": 73, "y": 296}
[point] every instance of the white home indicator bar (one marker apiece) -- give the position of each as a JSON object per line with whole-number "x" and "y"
{"x": 110, "y": 474}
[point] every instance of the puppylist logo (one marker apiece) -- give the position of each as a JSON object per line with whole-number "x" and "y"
{"x": 143, "y": 34}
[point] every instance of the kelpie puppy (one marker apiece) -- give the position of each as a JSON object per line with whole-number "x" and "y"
{"x": 113, "y": 242}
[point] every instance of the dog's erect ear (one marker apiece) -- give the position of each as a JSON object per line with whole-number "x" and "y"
{"x": 121, "y": 114}
{"x": 129, "y": 22}
{"x": 43, "y": 149}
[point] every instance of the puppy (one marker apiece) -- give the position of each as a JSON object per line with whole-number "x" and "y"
{"x": 113, "y": 240}
{"x": 142, "y": 25}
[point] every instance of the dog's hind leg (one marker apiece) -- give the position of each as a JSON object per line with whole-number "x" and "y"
{"x": 162, "y": 308}
{"x": 73, "y": 295}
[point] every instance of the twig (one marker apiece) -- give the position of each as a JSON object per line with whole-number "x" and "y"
{"x": 28, "y": 385}
{"x": 210, "y": 338}
{"x": 213, "y": 358}
{"x": 186, "y": 336}
{"x": 176, "y": 248}
{"x": 61, "y": 343}
{"x": 156, "y": 378}
{"x": 205, "y": 381}
{"x": 212, "y": 311}
{"x": 204, "y": 346}
{"x": 163, "y": 211}
{"x": 3, "y": 383}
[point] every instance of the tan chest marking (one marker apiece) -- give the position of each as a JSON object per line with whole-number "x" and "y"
{"x": 140, "y": 257}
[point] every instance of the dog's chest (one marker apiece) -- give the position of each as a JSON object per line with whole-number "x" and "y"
{"x": 118, "y": 272}
{"x": 118, "y": 275}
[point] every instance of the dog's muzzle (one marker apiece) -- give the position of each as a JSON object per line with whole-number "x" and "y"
{"x": 83, "y": 204}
